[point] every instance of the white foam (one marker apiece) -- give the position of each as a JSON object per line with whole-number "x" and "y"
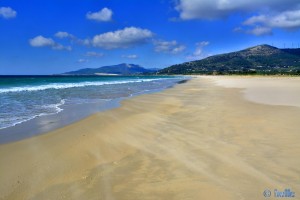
{"x": 16, "y": 120}
{"x": 55, "y": 106}
{"x": 69, "y": 85}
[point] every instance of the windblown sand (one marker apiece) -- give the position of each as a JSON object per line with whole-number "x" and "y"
{"x": 265, "y": 90}
{"x": 197, "y": 140}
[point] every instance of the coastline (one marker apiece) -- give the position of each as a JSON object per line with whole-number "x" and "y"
{"x": 69, "y": 114}
{"x": 195, "y": 140}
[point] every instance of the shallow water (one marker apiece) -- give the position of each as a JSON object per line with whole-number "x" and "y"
{"x": 36, "y": 104}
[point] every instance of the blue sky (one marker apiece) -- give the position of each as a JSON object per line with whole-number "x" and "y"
{"x": 55, "y": 36}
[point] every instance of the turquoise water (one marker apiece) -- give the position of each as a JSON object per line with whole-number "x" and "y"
{"x": 23, "y": 98}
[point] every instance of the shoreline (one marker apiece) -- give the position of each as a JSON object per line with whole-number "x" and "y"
{"x": 46, "y": 123}
{"x": 70, "y": 114}
{"x": 195, "y": 140}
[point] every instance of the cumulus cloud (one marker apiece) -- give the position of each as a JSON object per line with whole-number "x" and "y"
{"x": 271, "y": 13}
{"x": 62, "y": 34}
{"x": 104, "y": 15}
{"x": 7, "y": 12}
{"x": 125, "y": 38}
{"x": 257, "y": 30}
{"x": 214, "y": 9}
{"x": 198, "y": 53}
{"x": 132, "y": 56}
{"x": 74, "y": 39}
{"x": 168, "y": 46}
{"x": 94, "y": 54}
{"x": 264, "y": 23}
{"x": 286, "y": 20}
{"x": 40, "y": 41}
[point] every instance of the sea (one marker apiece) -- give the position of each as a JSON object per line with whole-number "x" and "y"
{"x": 49, "y": 102}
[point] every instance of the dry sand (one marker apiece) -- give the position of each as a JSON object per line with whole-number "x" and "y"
{"x": 194, "y": 141}
{"x": 266, "y": 90}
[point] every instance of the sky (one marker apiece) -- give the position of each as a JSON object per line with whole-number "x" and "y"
{"x": 56, "y": 36}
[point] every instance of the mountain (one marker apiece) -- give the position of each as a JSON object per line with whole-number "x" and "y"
{"x": 121, "y": 69}
{"x": 262, "y": 59}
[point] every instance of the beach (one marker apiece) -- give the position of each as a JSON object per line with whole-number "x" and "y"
{"x": 209, "y": 138}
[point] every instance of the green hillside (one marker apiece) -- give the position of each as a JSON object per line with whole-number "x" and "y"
{"x": 262, "y": 59}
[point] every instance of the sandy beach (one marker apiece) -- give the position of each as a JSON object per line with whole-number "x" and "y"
{"x": 209, "y": 138}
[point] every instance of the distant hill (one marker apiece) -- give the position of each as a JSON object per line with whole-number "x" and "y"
{"x": 121, "y": 69}
{"x": 262, "y": 59}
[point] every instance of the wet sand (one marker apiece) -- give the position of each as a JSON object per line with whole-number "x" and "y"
{"x": 198, "y": 140}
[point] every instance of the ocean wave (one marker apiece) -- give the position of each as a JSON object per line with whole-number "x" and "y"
{"x": 56, "y": 107}
{"x": 18, "y": 120}
{"x": 58, "y": 86}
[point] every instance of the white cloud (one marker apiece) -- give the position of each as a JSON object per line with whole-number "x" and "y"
{"x": 74, "y": 39}
{"x": 271, "y": 13}
{"x": 168, "y": 46}
{"x": 82, "y": 60}
{"x": 125, "y": 38}
{"x": 62, "y": 34}
{"x": 213, "y": 9}
{"x": 133, "y": 56}
{"x": 286, "y": 20}
{"x": 94, "y": 54}
{"x": 7, "y": 12}
{"x": 61, "y": 47}
{"x": 40, "y": 41}
{"x": 198, "y": 53}
{"x": 255, "y": 19}
{"x": 264, "y": 23}
{"x": 103, "y": 15}
{"x": 258, "y": 31}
